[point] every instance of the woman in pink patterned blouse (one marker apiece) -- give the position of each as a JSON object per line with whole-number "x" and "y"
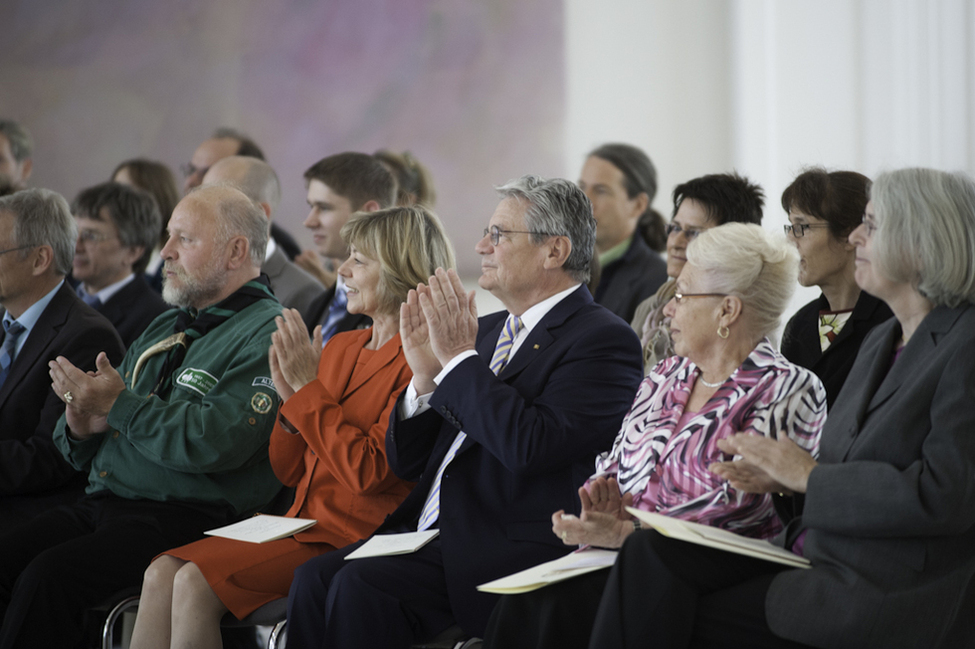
{"x": 727, "y": 379}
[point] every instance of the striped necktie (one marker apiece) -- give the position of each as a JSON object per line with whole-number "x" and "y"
{"x": 7, "y": 352}
{"x": 431, "y": 508}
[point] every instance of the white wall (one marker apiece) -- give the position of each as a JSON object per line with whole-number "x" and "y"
{"x": 769, "y": 86}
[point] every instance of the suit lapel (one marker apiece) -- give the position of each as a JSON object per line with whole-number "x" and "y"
{"x": 377, "y": 361}
{"x": 920, "y": 347}
{"x": 537, "y": 341}
{"x": 41, "y": 335}
{"x": 540, "y": 336}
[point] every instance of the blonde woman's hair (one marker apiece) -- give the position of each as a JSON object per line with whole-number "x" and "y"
{"x": 744, "y": 260}
{"x": 409, "y": 243}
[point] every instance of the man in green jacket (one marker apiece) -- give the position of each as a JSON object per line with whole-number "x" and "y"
{"x": 174, "y": 441}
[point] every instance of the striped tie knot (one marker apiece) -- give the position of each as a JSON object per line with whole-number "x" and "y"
{"x": 507, "y": 338}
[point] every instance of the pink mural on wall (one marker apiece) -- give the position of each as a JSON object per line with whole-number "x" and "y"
{"x": 473, "y": 89}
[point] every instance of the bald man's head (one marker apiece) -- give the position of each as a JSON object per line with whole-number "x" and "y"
{"x": 253, "y": 177}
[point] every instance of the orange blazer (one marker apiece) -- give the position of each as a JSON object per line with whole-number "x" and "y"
{"x": 337, "y": 461}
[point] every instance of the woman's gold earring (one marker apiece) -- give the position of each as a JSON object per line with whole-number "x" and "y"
{"x": 727, "y": 331}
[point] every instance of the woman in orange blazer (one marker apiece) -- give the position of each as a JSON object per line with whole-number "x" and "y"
{"x": 328, "y": 442}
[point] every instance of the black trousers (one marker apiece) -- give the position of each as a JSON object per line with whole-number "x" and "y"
{"x": 376, "y": 603}
{"x": 560, "y": 616}
{"x": 71, "y": 558}
{"x": 667, "y": 593}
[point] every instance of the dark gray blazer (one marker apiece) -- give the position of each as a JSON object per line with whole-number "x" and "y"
{"x": 294, "y": 288}
{"x": 890, "y": 511}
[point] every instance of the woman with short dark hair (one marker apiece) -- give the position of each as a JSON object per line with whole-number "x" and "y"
{"x": 824, "y": 207}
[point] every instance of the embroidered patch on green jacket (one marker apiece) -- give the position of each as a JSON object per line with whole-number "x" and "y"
{"x": 196, "y": 380}
{"x": 261, "y": 403}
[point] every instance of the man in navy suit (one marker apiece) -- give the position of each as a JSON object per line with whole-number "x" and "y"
{"x": 43, "y": 319}
{"x": 117, "y": 228}
{"x": 499, "y": 427}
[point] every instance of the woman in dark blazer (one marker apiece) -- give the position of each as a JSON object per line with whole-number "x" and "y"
{"x": 889, "y": 517}
{"x": 824, "y": 207}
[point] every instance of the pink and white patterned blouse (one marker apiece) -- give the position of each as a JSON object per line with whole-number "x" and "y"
{"x": 661, "y": 454}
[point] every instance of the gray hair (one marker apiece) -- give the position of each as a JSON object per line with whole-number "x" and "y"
{"x": 926, "y": 232}
{"x": 42, "y": 218}
{"x": 745, "y": 260}
{"x": 557, "y": 207}
{"x": 240, "y": 216}
{"x": 21, "y": 143}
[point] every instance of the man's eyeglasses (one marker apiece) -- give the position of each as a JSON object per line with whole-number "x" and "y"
{"x": 495, "y": 233}
{"x": 91, "y": 236}
{"x": 190, "y": 169}
{"x": 675, "y": 228}
{"x": 799, "y": 229}
{"x": 3, "y": 252}
{"x": 680, "y": 297}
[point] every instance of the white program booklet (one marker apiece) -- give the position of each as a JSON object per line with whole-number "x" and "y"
{"x": 572, "y": 565}
{"x": 714, "y": 537}
{"x": 263, "y": 528}
{"x": 387, "y": 545}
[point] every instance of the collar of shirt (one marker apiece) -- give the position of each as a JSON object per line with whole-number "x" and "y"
{"x": 615, "y": 252}
{"x": 30, "y": 317}
{"x": 271, "y": 247}
{"x": 112, "y": 289}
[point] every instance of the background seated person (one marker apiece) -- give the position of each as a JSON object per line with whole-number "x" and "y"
{"x": 728, "y": 379}
{"x": 174, "y": 441}
{"x": 889, "y": 518}
{"x": 117, "y": 228}
{"x": 824, "y": 208}
{"x": 155, "y": 178}
{"x": 699, "y": 204}
{"x": 329, "y": 441}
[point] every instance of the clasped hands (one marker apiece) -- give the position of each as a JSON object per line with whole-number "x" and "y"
{"x": 88, "y": 396}
{"x": 437, "y": 322}
{"x": 293, "y": 357}
{"x": 604, "y": 521}
{"x": 766, "y": 465}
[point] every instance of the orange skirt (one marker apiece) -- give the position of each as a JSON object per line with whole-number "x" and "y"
{"x": 246, "y": 576}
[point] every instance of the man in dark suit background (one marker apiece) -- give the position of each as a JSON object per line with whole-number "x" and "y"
{"x": 294, "y": 288}
{"x": 338, "y": 186}
{"x": 117, "y": 228}
{"x": 500, "y": 426}
{"x": 44, "y": 319}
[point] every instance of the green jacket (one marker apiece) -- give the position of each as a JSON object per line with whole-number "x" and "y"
{"x": 204, "y": 441}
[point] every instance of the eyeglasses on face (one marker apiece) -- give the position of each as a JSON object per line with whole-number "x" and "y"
{"x": 868, "y": 225}
{"x": 91, "y": 236}
{"x": 189, "y": 169}
{"x": 799, "y": 229}
{"x": 690, "y": 233}
{"x": 3, "y": 252}
{"x": 495, "y": 233}
{"x": 680, "y": 297}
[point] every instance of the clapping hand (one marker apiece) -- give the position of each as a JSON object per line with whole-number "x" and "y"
{"x": 766, "y": 465}
{"x": 293, "y": 357}
{"x": 604, "y": 518}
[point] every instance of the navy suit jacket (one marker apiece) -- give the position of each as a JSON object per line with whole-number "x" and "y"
{"x": 532, "y": 436}
{"x": 33, "y": 474}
